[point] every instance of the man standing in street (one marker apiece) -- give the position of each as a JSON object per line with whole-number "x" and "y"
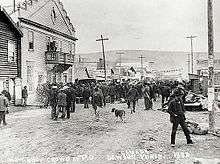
{"x": 132, "y": 97}
{"x": 177, "y": 116}
{"x": 53, "y": 101}
{"x": 86, "y": 95}
{"x": 3, "y": 108}
{"x": 61, "y": 103}
{"x": 24, "y": 95}
{"x": 147, "y": 98}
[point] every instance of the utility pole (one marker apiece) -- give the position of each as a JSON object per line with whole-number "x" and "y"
{"x": 142, "y": 70}
{"x": 211, "y": 94}
{"x": 103, "y": 52}
{"x": 188, "y": 61}
{"x": 191, "y": 41}
{"x": 120, "y": 53}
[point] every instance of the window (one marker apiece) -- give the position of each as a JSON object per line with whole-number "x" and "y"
{"x": 11, "y": 51}
{"x": 48, "y": 43}
{"x": 30, "y": 75}
{"x": 70, "y": 47}
{"x": 65, "y": 77}
{"x": 31, "y": 40}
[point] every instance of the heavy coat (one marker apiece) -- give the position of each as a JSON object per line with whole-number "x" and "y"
{"x": 176, "y": 109}
{"x": 3, "y": 103}
{"x": 132, "y": 94}
{"x": 61, "y": 99}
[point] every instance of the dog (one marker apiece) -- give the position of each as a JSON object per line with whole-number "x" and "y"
{"x": 119, "y": 113}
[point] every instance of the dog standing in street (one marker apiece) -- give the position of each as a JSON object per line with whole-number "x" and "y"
{"x": 119, "y": 113}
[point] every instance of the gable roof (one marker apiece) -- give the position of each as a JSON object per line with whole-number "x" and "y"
{"x": 41, "y": 12}
{"x": 9, "y": 19}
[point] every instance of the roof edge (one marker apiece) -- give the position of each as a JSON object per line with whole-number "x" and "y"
{"x": 10, "y": 19}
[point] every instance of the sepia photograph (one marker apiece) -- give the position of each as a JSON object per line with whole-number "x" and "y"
{"x": 109, "y": 82}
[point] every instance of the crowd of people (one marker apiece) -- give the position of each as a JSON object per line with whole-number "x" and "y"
{"x": 62, "y": 98}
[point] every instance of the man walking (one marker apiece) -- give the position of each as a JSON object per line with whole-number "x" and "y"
{"x": 177, "y": 116}
{"x": 86, "y": 95}
{"x": 147, "y": 98}
{"x": 61, "y": 103}
{"x": 24, "y": 95}
{"x": 132, "y": 97}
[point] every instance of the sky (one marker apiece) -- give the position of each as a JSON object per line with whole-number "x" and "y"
{"x": 141, "y": 24}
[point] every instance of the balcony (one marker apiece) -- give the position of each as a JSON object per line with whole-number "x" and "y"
{"x": 56, "y": 57}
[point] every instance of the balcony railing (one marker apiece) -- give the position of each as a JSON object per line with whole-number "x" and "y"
{"x": 56, "y": 57}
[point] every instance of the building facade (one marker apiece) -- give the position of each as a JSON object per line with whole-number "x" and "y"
{"x": 48, "y": 44}
{"x": 10, "y": 55}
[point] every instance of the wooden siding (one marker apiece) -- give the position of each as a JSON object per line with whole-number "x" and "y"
{"x": 8, "y": 69}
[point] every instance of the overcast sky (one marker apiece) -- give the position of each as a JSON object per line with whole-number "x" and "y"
{"x": 141, "y": 24}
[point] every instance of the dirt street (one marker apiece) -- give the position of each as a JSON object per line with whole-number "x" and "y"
{"x": 32, "y": 137}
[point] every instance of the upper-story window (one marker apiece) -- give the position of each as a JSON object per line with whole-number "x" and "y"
{"x": 30, "y": 40}
{"x": 11, "y": 51}
{"x": 52, "y": 44}
{"x": 70, "y": 47}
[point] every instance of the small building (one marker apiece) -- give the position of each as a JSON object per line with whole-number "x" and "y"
{"x": 10, "y": 56}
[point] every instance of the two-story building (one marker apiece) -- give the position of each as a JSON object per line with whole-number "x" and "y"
{"x": 10, "y": 55}
{"x": 48, "y": 44}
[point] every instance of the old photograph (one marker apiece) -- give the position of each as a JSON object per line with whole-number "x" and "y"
{"x": 109, "y": 81}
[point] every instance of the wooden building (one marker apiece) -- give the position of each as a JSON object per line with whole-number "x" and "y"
{"x": 48, "y": 45}
{"x": 10, "y": 54}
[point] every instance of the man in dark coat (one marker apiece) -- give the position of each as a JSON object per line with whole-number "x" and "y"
{"x": 112, "y": 93}
{"x": 97, "y": 99}
{"x": 61, "y": 103}
{"x": 165, "y": 93}
{"x": 147, "y": 97}
{"x": 86, "y": 95}
{"x": 177, "y": 116}
{"x": 24, "y": 95}
{"x": 132, "y": 97}
{"x": 105, "y": 91}
{"x": 70, "y": 98}
{"x": 53, "y": 101}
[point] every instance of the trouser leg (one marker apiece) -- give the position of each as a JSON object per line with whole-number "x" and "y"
{"x": 73, "y": 106}
{"x": 145, "y": 103}
{"x": 84, "y": 103}
{"x": 104, "y": 100}
{"x": 185, "y": 130}
{"x": 68, "y": 110}
{"x": 53, "y": 111}
{"x": 63, "y": 112}
{"x": 163, "y": 99}
{"x": 151, "y": 103}
{"x": 134, "y": 104}
{"x": 173, "y": 133}
{"x": 58, "y": 111}
{"x": 3, "y": 118}
{"x": 129, "y": 103}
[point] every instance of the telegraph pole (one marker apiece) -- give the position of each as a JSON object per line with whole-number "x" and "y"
{"x": 188, "y": 61}
{"x": 103, "y": 52}
{"x": 211, "y": 89}
{"x": 120, "y": 53}
{"x": 142, "y": 70}
{"x": 191, "y": 41}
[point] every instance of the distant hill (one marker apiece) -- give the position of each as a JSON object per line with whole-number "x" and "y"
{"x": 163, "y": 60}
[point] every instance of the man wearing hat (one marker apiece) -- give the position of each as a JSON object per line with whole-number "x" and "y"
{"x": 177, "y": 116}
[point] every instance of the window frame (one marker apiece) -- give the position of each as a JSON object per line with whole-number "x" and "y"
{"x": 29, "y": 40}
{"x": 14, "y": 51}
